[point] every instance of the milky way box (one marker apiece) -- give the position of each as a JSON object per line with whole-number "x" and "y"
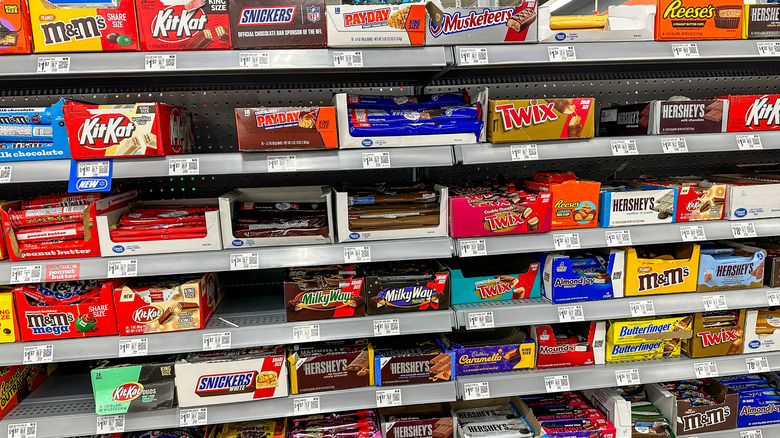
{"x": 394, "y": 288}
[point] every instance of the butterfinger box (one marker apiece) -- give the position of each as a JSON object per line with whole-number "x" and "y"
{"x": 661, "y": 269}
{"x": 15, "y": 31}
{"x": 270, "y": 24}
{"x": 230, "y": 376}
{"x": 183, "y": 24}
{"x": 698, "y": 20}
{"x": 134, "y": 385}
{"x": 686, "y": 418}
{"x": 490, "y": 351}
{"x": 495, "y": 278}
{"x": 18, "y": 381}
{"x": 646, "y": 338}
{"x": 716, "y": 334}
{"x": 376, "y": 25}
{"x": 539, "y": 119}
{"x": 754, "y": 112}
{"x": 730, "y": 265}
{"x": 473, "y": 23}
{"x": 286, "y": 128}
{"x": 331, "y": 365}
{"x": 411, "y": 359}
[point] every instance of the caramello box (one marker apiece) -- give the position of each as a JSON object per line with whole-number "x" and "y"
{"x": 476, "y": 24}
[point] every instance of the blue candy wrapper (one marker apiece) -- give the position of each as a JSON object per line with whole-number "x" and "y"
{"x": 26, "y": 133}
{"x": 392, "y": 129}
{"x": 406, "y": 102}
{"x": 451, "y": 114}
{"x": 25, "y": 116}
{"x": 25, "y": 144}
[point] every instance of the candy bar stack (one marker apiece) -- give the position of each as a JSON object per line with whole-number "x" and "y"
{"x": 569, "y": 415}
{"x": 47, "y": 221}
{"x": 646, "y": 420}
{"x": 508, "y": 198}
{"x": 279, "y": 219}
{"x": 26, "y": 128}
{"x": 354, "y": 424}
{"x": 501, "y": 421}
{"x": 152, "y": 223}
{"x": 388, "y": 207}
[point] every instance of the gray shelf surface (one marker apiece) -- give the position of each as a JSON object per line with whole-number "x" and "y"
{"x": 767, "y": 431}
{"x": 64, "y": 407}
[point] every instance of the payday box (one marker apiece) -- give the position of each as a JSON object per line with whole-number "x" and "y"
{"x": 385, "y": 296}
{"x": 346, "y": 235}
{"x": 473, "y": 23}
{"x": 622, "y": 206}
{"x": 211, "y": 242}
{"x": 469, "y": 217}
{"x": 575, "y": 203}
{"x": 275, "y": 194}
{"x": 615, "y": 408}
{"x": 762, "y": 330}
{"x": 730, "y": 265}
{"x": 495, "y": 278}
{"x": 17, "y": 381}
{"x": 9, "y": 327}
{"x": 710, "y": 340}
{"x": 410, "y": 360}
{"x": 651, "y": 276}
{"x": 624, "y": 23}
{"x": 128, "y": 385}
{"x": 373, "y": 25}
{"x": 579, "y": 276}
{"x": 230, "y": 376}
{"x": 489, "y": 351}
{"x": 687, "y": 419}
{"x": 57, "y": 148}
{"x": 426, "y": 421}
{"x": 183, "y": 25}
{"x": 553, "y": 352}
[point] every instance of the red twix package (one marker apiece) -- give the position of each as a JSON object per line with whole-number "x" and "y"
{"x": 183, "y": 24}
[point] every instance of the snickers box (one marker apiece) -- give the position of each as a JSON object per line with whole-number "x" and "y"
{"x": 490, "y": 351}
{"x": 730, "y": 265}
{"x": 18, "y": 381}
{"x": 573, "y": 345}
{"x": 716, "y": 334}
{"x": 392, "y": 289}
{"x": 211, "y": 378}
{"x": 686, "y": 418}
{"x": 495, "y": 278}
{"x": 270, "y": 24}
{"x": 376, "y": 25}
{"x": 290, "y": 128}
{"x": 134, "y": 385}
{"x": 754, "y": 112}
{"x": 761, "y": 21}
{"x": 183, "y": 24}
{"x": 539, "y": 119}
{"x": 476, "y": 24}
{"x": 426, "y": 421}
{"x": 15, "y": 31}
{"x": 690, "y": 116}
{"x": 409, "y": 360}
{"x": 633, "y": 119}
{"x": 331, "y": 365}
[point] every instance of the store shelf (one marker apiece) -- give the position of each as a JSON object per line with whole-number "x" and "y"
{"x": 767, "y": 431}
{"x": 640, "y": 235}
{"x": 63, "y": 407}
{"x": 603, "y": 376}
{"x": 602, "y": 147}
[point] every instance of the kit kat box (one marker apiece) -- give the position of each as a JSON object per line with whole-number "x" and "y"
{"x": 286, "y": 128}
{"x": 15, "y": 32}
{"x": 271, "y": 24}
{"x": 134, "y": 385}
{"x": 183, "y": 24}
{"x": 754, "y": 113}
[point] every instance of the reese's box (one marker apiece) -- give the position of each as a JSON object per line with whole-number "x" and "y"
{"x": 730, "y": 265}
{"x": 495, "y": 278}
{"x": 286, "y": 128}
{"x": 754, "y": 112}
{"x": 574, "y": 201}
{"x": 331, "y": 365}
{"x": 134, "y": 385}
{"x": 78, "y": 27}
{"x": 271, "y": 24}
{"x": 183, "y": 24}
{"x": 376, "y": 25}
{"x": 490, "y": 351}
{"x": 716, "y": 334}
{"x": 539, "y": 119}
{"x": 661, "y": 269}
{"x": 411, "y": 359}
{"x": 698, "y": 20}
{"x": 324, "y": 292}
{"x": 18, "y": 381}
{"x": 646, "y": 338}
{"x": 417, "y": 286}
{"x": 15, "y": 31}
{"x": 761, "y": 21}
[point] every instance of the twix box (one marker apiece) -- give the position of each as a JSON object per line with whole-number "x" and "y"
{"x": 716, "y": 334}
{"x": 539, "y": 119}
{"x": 286, "y": 128}
{"x": 15, "y": 32}
{"x": 183, "y": 24}
{"x": 698, "y": 20}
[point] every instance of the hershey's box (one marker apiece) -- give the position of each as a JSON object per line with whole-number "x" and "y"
{"x": 477, "y": 24}
{"x": 411, "y": 359}
{"x": 689, "y": 116}
{"x": 622, "y": 206}
{"x": 271, "y": 24}
{"x": 633, "y": 119}
{"x": 761, "y": 21}
{"x": 331, "y": 365}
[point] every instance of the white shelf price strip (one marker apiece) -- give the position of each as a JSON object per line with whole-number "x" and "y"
{"x": 160, "y": 62}
{"x": 388, "y": 397}
{"x": 26, "y": 274}
{"x": 566, "y": 241}
{"x": 53, "y": 64}
{"x": 571, "y": 313}
{"x": 705, "y": 370}
{"x": 618, "y": 237}
{"x": 476, "y": 391}
{"x": 282, "y": 163}
{"x": 674, "y": 145}
{"x": 480, "y": 320}
{"x": 376, "y": 160}
{"x": 387, "y": 327}
{"x": 757, "y": 364}
{"x": 306, "y": 333}
{"x": 557, "y": 383}
{"x": 23, "y": 430}
{"x": 5, "y": 174}
{"x": 627, "y": 377}
{"x": 642, "y": 308}
{"x": 193, "y": 417}
{"x": 473, "y": 55}
{"x": 743, "y": 229}
{"x": 122, "y": 268}
{"x": 773, "y": 297}
{"x": 38, "y": 354}
{"x": 685, "y": 50}
{"x": 751, "y": 434}
{"x": 624, "y": 147}
{"x": 133, "y": 347}
{"x": 768, "y": 48}
{"x": 348, "y": 59}
{"x": 746, "y": 142}
{"x": 240, "y": 262}
{"x": 692, "y": 233}
{"x": 714, "y": 302}
{"x": 357, "y": 254}
{"x": 92, "y": 169}
{"x": 561, "y": 53}
{"x": 524, "y": 152}
{"x": 306, "y": 405}
{"x": 110, "y": 424}
{"x": 254, "y": 60}
{"x": 472, "y": 247}
{"x": 217, "y": 341}
{"x": 183, "y": 166}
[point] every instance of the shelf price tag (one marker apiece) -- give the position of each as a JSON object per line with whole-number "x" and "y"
{"x": 122, "y": 268}
{"x": 627, "y": 377}
{"x": 691, "y": 233}
{"x": 768, "y": 48}
{"x": 282, "y": 163}
{"x": 757, "y": 364}
{"x": 133, "y": 347}
{"x": 387, "y": 327}
{"x": 357, "y": 254}
{"x": 23, "y": 430}
{"x": 641, "y": 308}
{"x": 618, "y": 237}
{"x": 557, "y": 383}
{"x": 376, "y": 160}
{"x": 743, "y": 229}
{"x": 566, "y": 241}
{"x": 306, "y": 333}
{"x": 624, "y": 147}
{"x": 751, "y": 434}
{"x": 773, "y": 297}
{"x": 388, "y": 397}
{"x": 472, "y": 247}
{"x": 748, "y": 142}
{"x": 216, "y": 341}
{"x": 193, "y": 417}
{"x": 348, "y": 59}
{"x": 38, "y": 354}
{"x": 240, "y": 262}
{"x": 306, "y": 405}
{"x": 685, "y": 50}
{"x": 674, "y": 145}
{"x": 476, "y": 391}
{"x": 110, "y": 424}
{"x": 90, "y": 176}
{"x": 160, "y": 62}
{"x": 704, "y": 370}
{"x": 5, "y": 174}
{"x": 524, "y": 152}
{"x": 183, "y": 166}
{"x": 473, "y": 55}
{"x": 26, "y": 274}
{"x": 714, "y": 302}
{"x": 571, "y": 313}
{"x": 53, "y": 64}
{"x": 254, "y": 60}
{"x": 480, "y": 320}
{"x": 561, "y": 53}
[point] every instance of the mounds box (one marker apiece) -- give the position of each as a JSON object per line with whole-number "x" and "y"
{"x": 334, "y": 291}
{"x": 762, "y": 330}
{"x": 134, "y": 385}
{"x": 689, "y": 116}
{"x": 687, "y": 418}
{"x": 730, "y": 265}
{"x": 471, "y": 216}
{"x": 583, "y": 276}
{"x": 331, "y": 365}
{"x": 661, "y": 269}
{"x": 633, "y": 119}
{"x": 78, "y": 27}
{"x": 183, "y": 24}
{"x": 622, "y": 23}
{"x": 623, "y": 204}
{"x": 18, "y": 381}
{"x": 475, "y": 24}
{"x": 539, "y": 119}
{"x": 397, "y": 287}
{"x": 698, "y": 20}
{"x": 490, "y": 351}
{"x": 761, "y": 21}
{"x": 376, "y": 25}
{"x": 270, "y": 24}
{"x": 573, "y": 345}
{"x": 411, "y": 359}
{"x": 495, "y": 278}
{"x": 15, "y": 31}
{"x": 426, "y": 421}
{"x": 716, "y": 334}
{"x": 286, "y": 128}
{"x": 753, "y": 112}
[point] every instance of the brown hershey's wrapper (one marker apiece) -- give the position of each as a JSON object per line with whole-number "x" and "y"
{"x": 330, "y": 369}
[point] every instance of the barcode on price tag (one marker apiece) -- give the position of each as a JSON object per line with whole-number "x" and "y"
{"x": 23, "y": 430}
{"x": 714, "y": 302}
{"x": 240, "y": 262}
{"x": 627, "y": 377}
{"x": 750, "y": 434}
{"x": 133, "y": 347}
{"x": 749, "y": 141}
{"x": 306, "y": 333}
{"x": 476, "y": 391}
{"x": 254, "y": 60}
{"x": 692, "y": 233}
{"x": 193, "y": 417}
{"x": 183, "y": 166}
{"x": 38, "y": 354}
{"x": 566, "y": 241}
{"x": 282, "y": 163}
{"x": 54, "y": 64}
{"x": 624, "y": 147}
{"x": 773, "y": 297}
{"x": 160, "y": 62}
{"x": 216, "y": 341}
{"x": 388, "y": 397}
{"x": 387, "y": 327}
{"x": 571, "y": 313}
{"x": 5, "y": 174}
{"x": 524, "y": 152}
{"x": 757, "y": 364}
{"x": 743, "y": 229}
{"x": 110, "y": 424}
{"x": 704, "y": 370}
{"x": 376, "y": 160}
{"x": 618, "y": 237}
{"x": 642, "y": 308}
{"x": 26, "y": 274}
{"x": 480, "y": 320}
{"x": 561, "y": 53}
{"x": 473, "y": 55}
{"x": 472, "y": 247}
{"x": 674, "y": 145}
{"x": 93, "y": 169}
{"x": 306, "y": 405}
{"x": 768, "y": 48}
{"x": 348, "y": 59}
{"x": 685, "y": 50}
{"x": 557, "y": 383}
{"x": 357, "y": 254}
{"x": 122, "y": 268}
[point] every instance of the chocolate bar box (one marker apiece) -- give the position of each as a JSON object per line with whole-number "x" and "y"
{"x": 134, "y": 385}
{"x": 324, "y": 292}
{"x": 689, "y": 116}
{"x": 411, "y": 359}
{"x": 331, "y": 365}
{"x": 633, "y": 119}
{"x": 183, "y": 24}
{"x": 271, "y": 24}
{"x": 474, "y": 23}
{"x": 407, "y": 287}
{"x": 487, "y": 351}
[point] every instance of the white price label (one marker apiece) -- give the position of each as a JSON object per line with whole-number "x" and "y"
{"x": 557, "y": 383}
{"x": 473, "y": 55}
{"x": 122, "y": 268}
{"x": 357, "y": 254}
{"x": 561, "y": 53}
{"x": 388, "y": 397}
{"x": 5, "y": 174}
{"x": 757, "y": 364}
{"x": 387, "y": 327}
{"x": 376, "y": 160}
{"x": 743, "y": 229}
{"x": 691, "y": 233}
{"x": 641, "y": 308}
{"x": 216, "y": 341}
{"x": 524, "y": 152}
{"x": 110, "y": 424}
{"x": 768, "y": 48}
{"x": 571, "y": 313}
{"x": 133, "y": 347}
{"x": 160, "y": 62}
{"x": 624, "y": 147}
{"x": 472, "y": 247}
{"x": 38, "y": 354}
{"x": 240, "y": 262}
{"x": 627, "y": 377}
{"x": 751, "y": 434}
{"x": 674, "y": 145}
{"x": 566, "y": 241}
{"x": 92, "y": 169}
{"x": 54, "y": 64}
{"x": 306, "y": 405}
{"x": 705, "y": 370}
{"x": 282, "y": 163}
{"x": 306, "y": 333}
{"x": 348, "y": 59}
{"x": 476, "y": 391}
{"x": 23, "y": 430}
{"x": 685, "y": 50}
{"x": 773, "y": 297}
{"x": 480, "y": 320}
{"x": 618, "y": 237}
{"x": 193, "y": 417}
{"x": 26, "y": 274}
{"x": 183, "y": 166}
{"x": 254, "y": 60}
{"x": 749, "y": 141}
{"x": 714, "y": 302}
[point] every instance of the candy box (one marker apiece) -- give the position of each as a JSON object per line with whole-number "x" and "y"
{"x": 753, "y": 112}
{"x": 376, "y": 25}
{"x": 580, "y": 276}
{"x": 183, "y": 25}
{"x": 661, "y": 269}
{"x": 687, "y": 418}
{"x": 426, "y": 421}
{"x": 485, "y": 279}
{"x": 411, "y": 359}
{"x": 15, "y": 31}
{"x": 614, "y": 406}
{"x": 716, "y": 334}
{"x": 573, "y": 345}
{"x": 134, "y": 385}
{"x": 632, "y": 119}
{"x": 270, "y": 24}
{"x": 578, "y": 428}
{"x": 750, "y": 197}
{"x": 761, "y": 21}
{"x": 475, "y": 23}
{"x": 341, "y": 296}
{"x": 286, "y": 128}
{"x": 762, "y": 330}
{"x": 539, "y": 119}
{"x": 756, "y": 407}
{"x": 574, "y": 202}
{"x": 646, "y": 338}
{"x": 489, "y": 351}
{"x": 689, "y": 116}
{"x": 472, "y": 216}
{"x": 9, "y": 327}
{"x": 331, "y": 365}
{"x": 624, "y": 205}
{"x": 18, "y": 381}
{"x": 52, "y": 149}
{"x": 730, "y": 265}
{"x": 622, "y": 23}
{"x": 421, "y": 287}
{"x": 698, "y": 201}
{"x": 698, "y": 20}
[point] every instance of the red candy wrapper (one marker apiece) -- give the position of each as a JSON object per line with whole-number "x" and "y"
{"x": 57, "y": 232}
{"x": 46, "y": 216}
{"x": 50, "y": 201}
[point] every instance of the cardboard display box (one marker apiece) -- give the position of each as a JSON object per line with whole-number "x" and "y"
{"x": 687, "y": 419}
{"x": 17, "y": 35}
{"x": 270, "y": 24}
{"x": 762, "y": 330}
{"x": 9, "y": 327}
{"x": 331, "y": 365}
{"x": 474, "y": 23}
{"x": 342, "y": 296}
{"x": 689, "y": 116}
{"x": 614, "y": 406}
{"x": 649, "y": 271}
{"x": 698, "y": 20}
{"x": 730, "y": 265}
{"x": 625, "y": 206}
{"x": 753, "y": 112}
{"x": 392, "y": 291}
{"x": 286, "y": 128}
{"x": 469, "y": 217}
{"x": 539, "y": 119}
{"x": 56, "y": 149}
{"x": 376, "y": 25}
{"x": 411, "y": 360}
{"x": 134, "y": 385}
{"x": 581, "y": 345}
{"x": 574, "y": 202}
{"x": 183, "y": 25}
{"x": 498, "y": 278}
{"x": 426, "y": 421}
{"x": 646, "y": 338}
{"x": 633, "y": 119}
{"x": 579, "y": 276}
{"x": 716, "y": 334}
{"x": 623, "y": 23}
{"x": 490, "y": 351}
{"x": 18, "y": 381}
{"x": 761, "y": 21}
{"x": 696, "y": 200}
